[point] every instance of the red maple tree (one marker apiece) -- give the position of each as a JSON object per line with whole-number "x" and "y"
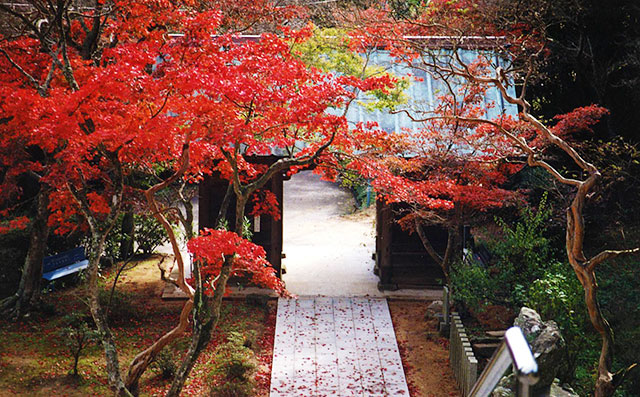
{"x": 108, "y": 92}
{"x": 441, "y": 171}
{"x": 418, "y": 40}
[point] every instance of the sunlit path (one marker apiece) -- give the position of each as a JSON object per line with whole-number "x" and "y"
{"x": 328, "y": 252}
{"x": 336, "y": 347}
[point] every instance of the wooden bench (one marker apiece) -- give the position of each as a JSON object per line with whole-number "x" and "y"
{"x": 63, "y": 264}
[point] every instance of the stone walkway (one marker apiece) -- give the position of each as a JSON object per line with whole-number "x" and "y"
{"x": 335, "y": 347}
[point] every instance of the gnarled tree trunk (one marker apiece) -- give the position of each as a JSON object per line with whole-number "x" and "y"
{"x": 584, "y": 268}
{"x": 141, "y": 362}
{"x": 28, "y": 293}
{"x": 207, "y": 317}
{"x": 106, "y": 337}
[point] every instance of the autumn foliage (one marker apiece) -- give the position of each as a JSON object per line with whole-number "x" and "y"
{"x": 211, "y": 248}
{"x": 133, "y": 88}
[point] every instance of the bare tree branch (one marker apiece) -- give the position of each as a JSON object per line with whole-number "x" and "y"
{"x": 606, "y": 255}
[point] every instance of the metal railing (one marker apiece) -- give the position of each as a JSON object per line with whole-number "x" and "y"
{"x": 513, "y": 350}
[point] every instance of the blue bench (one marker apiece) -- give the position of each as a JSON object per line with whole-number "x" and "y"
{"x": 63, "y": 264}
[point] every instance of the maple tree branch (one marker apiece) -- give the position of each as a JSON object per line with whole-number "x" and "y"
{"x": 165, "y": 274}
{"x": 606, "y": 255}
{"x": 531, "y": 159}
{"x": 164, "y": 103}
{"x": 73, "y": 43}
{"x": 23, "y": 72}
{"x": 26, "y": 21}
{"x": 224, "y": 207}
{"x": 427, "y": 244}
{"x": 237, "y": 184}
{"x": 84, "y": 206}
{"x": 67, "y": 70}
{"x": 47, "y": 81}
{"x": 157, "y": 213}
{"x": 90, "y": 40}
{"x": 116, "y": 203}
{"x": 287, "y": 163}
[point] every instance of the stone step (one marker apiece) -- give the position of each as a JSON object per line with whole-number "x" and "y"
{"x": 335, "y": 346}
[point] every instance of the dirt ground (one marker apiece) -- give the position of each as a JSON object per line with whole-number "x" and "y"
{"x": 35, "y": 362}
{"x": 425, "y": 354}
{"x": 32, "y": 361}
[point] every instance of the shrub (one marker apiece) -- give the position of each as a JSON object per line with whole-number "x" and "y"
{"x": 471, "y": 284}
{"x": 76, "y": 335}
{"x": 164, "y": 364}
{"x": 235, "y": 358}
{"x": 111, "y": 251}
{"x": 558, "y": 295}
{"x": 525, "y": 270}
{"x": 359, "y": 186}
{"x": 149, "y": 234}
{"x": 118, "y": 307}
{"x": 520, "y": 255}
{"x": 232, "y": 389}
{"x": 235, "y": 365}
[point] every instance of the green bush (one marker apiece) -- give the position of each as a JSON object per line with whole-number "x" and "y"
{"x": 119, "y": 306}
{"x": 76, "y": 335}
{"x": 558, "y": 295}
{"x": 521, "y": 254}
{"x": 233, "y": 389}
{"x": 359, "y": 186}
{"x": 235, "y": 357}
{"x": 164, "y": 364}
{"x": 526, "y": 271}
{"x": 471, "y": 284}
{"x": 619, "y": 299}
{"x": 149, "y": 233}
{"x": 235, "y": 365}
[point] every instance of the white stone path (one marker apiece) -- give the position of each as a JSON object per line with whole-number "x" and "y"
{"x": 335, "y": 347}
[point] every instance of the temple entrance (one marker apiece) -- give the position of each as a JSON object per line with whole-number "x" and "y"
{"x": 328, "y": 247}
{"x": 325, "y": 247}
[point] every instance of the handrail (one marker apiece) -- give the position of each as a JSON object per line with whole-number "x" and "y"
{"x": 513, "y": 350}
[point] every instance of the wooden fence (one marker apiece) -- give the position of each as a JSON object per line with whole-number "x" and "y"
{"x": 461, "y": 357}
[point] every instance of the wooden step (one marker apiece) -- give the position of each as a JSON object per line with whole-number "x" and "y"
{"x": 485, "y": 349}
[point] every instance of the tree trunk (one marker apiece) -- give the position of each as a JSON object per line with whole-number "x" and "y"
{"x": 604, "y": 386}
{"x": 452, "y": 244}
{"x": 205, "y": 318}
{"x": 142, "y": 361}
{"x": 426, "y": 243}
{"x": 222, "y": 214}
{"x": 76, "y": 358}
{"x": 111, "y": 354}
{"x": 128, "y": 229}
{"x": 28, "y": 293}
{"x": 187, "y": 220}
{"x": 443, "y": 261}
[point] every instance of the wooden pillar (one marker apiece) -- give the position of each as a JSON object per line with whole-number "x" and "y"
{"x": 383, "y": 245}
{"x": 275, "y": 254}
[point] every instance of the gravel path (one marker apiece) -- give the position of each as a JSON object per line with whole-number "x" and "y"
{"x": 327, "y": 251}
